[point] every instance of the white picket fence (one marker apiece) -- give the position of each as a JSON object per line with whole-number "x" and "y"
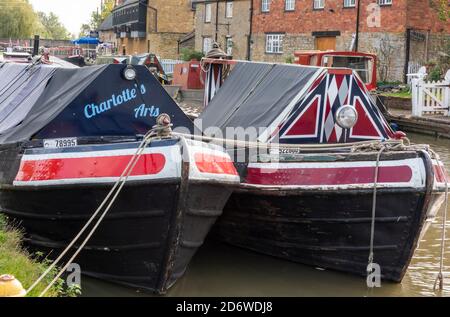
{"x": 430, "y": 97}
{"x": 169, "y": 65}
{"x": 413, "y": 68}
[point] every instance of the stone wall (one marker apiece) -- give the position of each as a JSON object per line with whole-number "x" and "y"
{"x": 108, "y": 36}
{"x": 237, "y": 27}
{"x": 164, "y": 44}
{"x": 174, "y": 16}
{"x": 167, "y": 23}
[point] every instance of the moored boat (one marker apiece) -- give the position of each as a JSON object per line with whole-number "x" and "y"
{"x": 334, "y": 187}
{"x": 67, "y": 136}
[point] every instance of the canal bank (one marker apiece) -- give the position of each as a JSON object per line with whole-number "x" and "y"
{"x": 398, "y": 110}
{"x": 221, "y": 270}
{"x": 16, "y": 261}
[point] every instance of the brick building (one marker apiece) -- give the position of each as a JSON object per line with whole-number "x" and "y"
{"x": 225, "y": 22}
{"x": 399, "y": 31}
{"x": 155, "y": 26}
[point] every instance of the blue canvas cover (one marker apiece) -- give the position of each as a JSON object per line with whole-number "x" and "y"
{"x": 39, "y": 102}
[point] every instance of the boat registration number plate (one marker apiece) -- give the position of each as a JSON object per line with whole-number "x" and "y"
{"x": 60, "y": 143}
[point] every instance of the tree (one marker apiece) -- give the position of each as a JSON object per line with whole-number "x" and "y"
{"x": 442, "y": 8}
{"x": 54, "y": 28}
{"x": 17, "y": 19}
{"x": 97, "y": 17}
{"x": 107, "y": 8}
{"x": 85, "y": 29}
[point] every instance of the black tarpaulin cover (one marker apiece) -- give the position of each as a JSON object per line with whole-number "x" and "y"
{"x": 255, "y": 94}
{"x": 48, "y": 102}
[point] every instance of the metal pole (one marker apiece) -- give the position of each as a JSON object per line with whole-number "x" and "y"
{"x": 36, "y": 45}
{"x": 217, "y": 20}
{"x": 358, "y": 13}
{"x": 249, "y": 40}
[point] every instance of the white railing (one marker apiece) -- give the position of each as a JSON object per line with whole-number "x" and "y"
{"x": 430, "y": 97}
{"x": 413, "y": 68}
{"x": 169, "y": 65}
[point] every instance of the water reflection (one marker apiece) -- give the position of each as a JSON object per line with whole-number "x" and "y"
{"x": 222, "y": 270}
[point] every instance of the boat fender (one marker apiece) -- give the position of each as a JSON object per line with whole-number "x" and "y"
{"x": 399, "y": 135}
{"x": 11, "y": 287}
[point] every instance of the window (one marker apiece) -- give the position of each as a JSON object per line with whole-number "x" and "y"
{"x": 229, "y": 9}
{"x": 384, "y": 2}
{"x": 207, "y": 44}
{"x": 349, "y": 3}
{"x": 265, "y": 5}
{"x": 208, "y": 12}
{"x": 274, "y": 43}
{"x": 289, "y": 5}
{"x": 229, "y": 44}
{"x": 319, "y": 4}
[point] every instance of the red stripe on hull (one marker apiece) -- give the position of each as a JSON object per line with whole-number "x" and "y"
{"x": 207, "y": 163}
{"x": 328, "y": 176}
{"x": 88, "y": 167}
{"x": 439, "y": 173}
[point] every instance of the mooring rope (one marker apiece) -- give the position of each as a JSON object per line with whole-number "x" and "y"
{"x": 374, "y": 210}
{"x": 119, "y": 183}
{"x": 122, "y": 182}
{"x": 162, "y": 129}
{"x": 376, "y": 144}
{"x": 440, "y": 277}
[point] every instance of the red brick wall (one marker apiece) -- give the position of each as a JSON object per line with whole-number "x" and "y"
{"x": 305, "y": 20}
{"x": 422, "y": 17}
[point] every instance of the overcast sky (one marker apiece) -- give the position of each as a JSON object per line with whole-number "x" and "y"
{"x": 71, "y": 13}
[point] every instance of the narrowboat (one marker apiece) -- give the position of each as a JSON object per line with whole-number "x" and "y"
{"x": 67, "y": 135}
{"x": 331, "y": 185}
{"x": 70, "y": 54}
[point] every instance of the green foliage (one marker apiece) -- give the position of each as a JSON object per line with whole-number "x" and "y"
{"x": 188, "y": 54}
{"x": 442, "y": 8}
{"x": 388, "y": 83}
{"x": 17, "y": 19}
{"x": 290, "y": 59}
{"x": 26, "y": 267}
{"x": 72, "y": 291}
{"x": 107, "y": 8}
{"x": 97, "y": 18}
{"x": 435, "y": 74}
{"x": 400, "y": 94}
{"x": 53, "y": 27}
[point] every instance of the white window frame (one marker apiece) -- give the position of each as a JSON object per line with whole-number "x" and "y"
{"x": 318, "y": 4}
{"x": 229, "y": 45}
{"x": 208, "y": 12}
{"x": 385, "y": 2}
{"x": 229, "y": 9}
{"x": 289, "y": 5}
{"x": 207, "y": 44}
{"x": 349, "y": 3}
{"x": 265, "y": 5}
{"x": 274, "y": 43}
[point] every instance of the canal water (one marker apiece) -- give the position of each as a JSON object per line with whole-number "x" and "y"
{"x": 224, "y": 271}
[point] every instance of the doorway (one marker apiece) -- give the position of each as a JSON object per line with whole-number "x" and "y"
{"x": 326, "y": 43}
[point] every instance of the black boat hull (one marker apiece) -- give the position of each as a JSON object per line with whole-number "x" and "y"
{"x": 133, "y": 243}
{"x": 331, "y": 227}
{"x": 147, "y": 238}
